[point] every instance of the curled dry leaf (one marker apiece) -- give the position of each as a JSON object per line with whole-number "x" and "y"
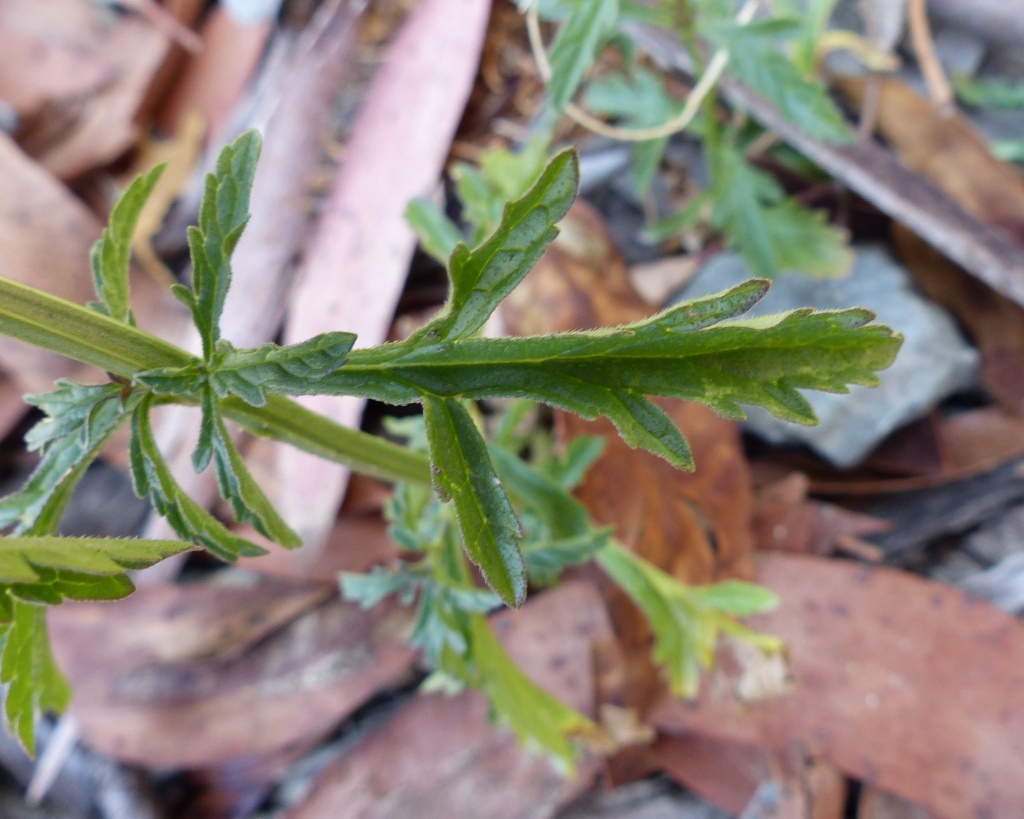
{"x": 899, "y": 681}
{"x": 356, "y": 263}
{"x": 195, "y": 676}
{"x": 439, "y": 757}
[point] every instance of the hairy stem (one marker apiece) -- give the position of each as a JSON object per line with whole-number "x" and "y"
{"x": 83, "y": 335}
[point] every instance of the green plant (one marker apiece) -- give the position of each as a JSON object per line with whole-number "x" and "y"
{"x": 773, "y": 231}
{"x": 695, "y": 351}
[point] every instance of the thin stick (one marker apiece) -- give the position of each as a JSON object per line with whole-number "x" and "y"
{"x": 924, "y": 47}
{"x": 716, "y": 66}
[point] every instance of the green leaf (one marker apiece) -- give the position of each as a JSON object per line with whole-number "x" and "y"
{"x": 239, "y": 488}
{"x": 512, "y": 174}
{"x": 755, "y": 61}
{"x": 152, "y": 477}
{"x": 547, "y": 559}
{"x": 79, "y": 421}
{"x": 685, "y": 352}
{"x": 111, "y": 255}
{"x": 28, "y": 559}
{"x": 640, "y": 101}
{"x": 463, "y": 473}
{"x": 576, "y": 46}
{"x": 223, "y": 215}
{"x": 737, "y": 598}
{"x": 437, "y": 234}
{"x": 256, "y": 372}
{"x": 35, "y": 684}
{"x": 774, "y": 234}
{"x": 483, "y": 277}
{"x": 989, "y": 93}
{"x": 539, "y": 720}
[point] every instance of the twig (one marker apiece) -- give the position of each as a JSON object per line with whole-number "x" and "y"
{"x": 716, "y": 66}
{"x": 924, "y": 47}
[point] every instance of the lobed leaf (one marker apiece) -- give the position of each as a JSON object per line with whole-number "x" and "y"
{"x": 481, "y": 278}
{"x": 80, "y": 420}
{"x": 775, "y": 234}
{"x": 755, "y": 61}
{"x": 34, "y": 683}
{"x": 152, "y": 477}
{"x": 239, "y": 488}
{"x": 463, "y": 473}
{"x": 685, "y": 352}
{"x": 538, "y": 719}
{"x": 587, "y": 26}
{"x": 111, "y": 255}
{"x": 223, "y": 215}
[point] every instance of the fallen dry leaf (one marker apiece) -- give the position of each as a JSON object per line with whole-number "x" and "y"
{"x": 250, "y": 670}
{"x": 440, "y": 758}
{"x": 356, "y": 263}
{"x": 786, "y": 520}
{"x": 905, "y": 683}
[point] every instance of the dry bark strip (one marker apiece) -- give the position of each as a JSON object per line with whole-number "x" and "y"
{"x": 196, "y": 676}
{"x": 355, "y": 266}
{"x": 440, "y": 758}
{"x": 909, "y": 685}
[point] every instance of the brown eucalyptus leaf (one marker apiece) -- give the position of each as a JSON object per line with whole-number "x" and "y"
{"x": 900, "y": 681}
{"x": 197, "y": 675}
{"x": 440, "y": 757}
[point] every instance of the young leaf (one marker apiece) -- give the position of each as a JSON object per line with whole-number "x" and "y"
{"x": 686, "y": 352}
{"x": 547, "y": 559}
{"x": 538, "y": 719}
{"x": 463, "y": 472}
{"x": 254, "y": 373}
{"x": 222, "y": 217}
{"x": 111, "y": 255}
{"x": 575, "y": 49}
{"x": 239, "y": 488}
{"x": 686, "y": 621}
{"x": 35, "y": 684}
{"x": 640, "y": 101}
{"x": 990, "y": 93}
{"x": 755, "y": 60}
{"x": 437, "y": 234}
{"x": 775, "y": 234}
{"x": 483, "y": 277}
{"x": 151, "y": 476}
{"x": 80, "y": 420}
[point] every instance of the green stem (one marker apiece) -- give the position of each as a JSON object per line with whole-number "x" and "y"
{"x": 84, "y": 335}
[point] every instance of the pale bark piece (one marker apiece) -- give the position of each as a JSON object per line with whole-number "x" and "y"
{"x": 195, "y": 676}
{"x": 440, "y": 758}
{"x": 355, "y": 267}
{"x": 905, "y": 683}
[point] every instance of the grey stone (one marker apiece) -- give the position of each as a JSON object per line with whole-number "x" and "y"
{"x": 934, "y": 362}
{"x": 1002, "y": 585}
{"x": 998, "y": 538}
